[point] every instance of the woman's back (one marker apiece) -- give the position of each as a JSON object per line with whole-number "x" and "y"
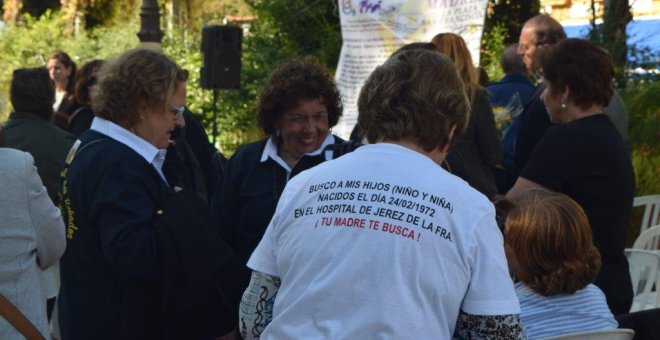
{"x": 550, "y": 249}
{"x": 584, "y": 310}
{"x": 31, "y": 236}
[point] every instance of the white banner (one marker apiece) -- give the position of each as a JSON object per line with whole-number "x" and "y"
{"x": 373, "y": 29}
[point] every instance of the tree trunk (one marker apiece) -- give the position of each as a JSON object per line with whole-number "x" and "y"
{"x": 614, "y": 38}
{"x": 75, "y": 15}
{"x": 10, "y": 10}
{"x": 172, "y": 17}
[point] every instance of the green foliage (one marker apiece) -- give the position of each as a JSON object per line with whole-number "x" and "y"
{"x": 236, "y": 123}
{"x": 492, "y": 45}
{"x": 32, "y": 40}
{"x": 301, "y": 27}
{"x": 282, "y": 31}
{"x": 644, "y": 107}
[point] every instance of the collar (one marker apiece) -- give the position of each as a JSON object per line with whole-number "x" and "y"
{"x": 270, "y": 151}
{"x": 143, "y": 148}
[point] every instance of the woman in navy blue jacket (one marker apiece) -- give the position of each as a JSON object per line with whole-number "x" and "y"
{"x": 296, "y": 110}
{"x": 111, "y": 271}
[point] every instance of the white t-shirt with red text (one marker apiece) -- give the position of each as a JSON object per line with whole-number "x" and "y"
{"x": 382, "y": 243}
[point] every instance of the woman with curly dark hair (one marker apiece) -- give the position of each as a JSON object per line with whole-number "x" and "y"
{"x": 296, "y": 109}
{"x": 550, "y": 250}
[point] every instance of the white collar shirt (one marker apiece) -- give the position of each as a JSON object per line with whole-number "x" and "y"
{"x": 270, "y": 151}
{"x": 153, "y": 155}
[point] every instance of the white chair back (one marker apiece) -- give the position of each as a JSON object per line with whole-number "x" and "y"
{"x": 610, "y": 334}
{"x": 643, "y": 273}
{"x": 651, "y": 204}
{"x": 649, "y": 239}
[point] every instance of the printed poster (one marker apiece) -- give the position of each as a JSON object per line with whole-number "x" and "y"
{"x": 373, "y": 29}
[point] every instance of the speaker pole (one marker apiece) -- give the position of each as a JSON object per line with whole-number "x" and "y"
{"x": 215, "y": 114}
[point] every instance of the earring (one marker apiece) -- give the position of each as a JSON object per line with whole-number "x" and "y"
{"x": 563, "y": 105}
{"x": 277, "y": 133}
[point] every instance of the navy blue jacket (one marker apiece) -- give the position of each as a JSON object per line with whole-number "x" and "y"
{"x": 502, "y": 91}
{"x": 111, "y": 268}
{"x": 501, "y": 94}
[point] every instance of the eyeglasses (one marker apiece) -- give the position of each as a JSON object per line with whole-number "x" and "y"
{"x": 177, "y": 111}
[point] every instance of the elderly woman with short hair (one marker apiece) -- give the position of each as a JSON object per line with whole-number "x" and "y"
{"x": 585, "y": 157}
{"x": 111, "y": 271}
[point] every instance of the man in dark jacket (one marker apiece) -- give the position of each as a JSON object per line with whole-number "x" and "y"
{"x": 29, "y": 127}
{"x": 537, "y": 33}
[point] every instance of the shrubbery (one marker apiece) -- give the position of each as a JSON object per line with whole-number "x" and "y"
{"x": 644, "y": 134}
{"x": 30, "y": 42}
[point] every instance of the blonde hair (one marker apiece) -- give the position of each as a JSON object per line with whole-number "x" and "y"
{"x": 550, "y": 236}
{"x": 136, "y": 80}
{"x": 453, "y": 46}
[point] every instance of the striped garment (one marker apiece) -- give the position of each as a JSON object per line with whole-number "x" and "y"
{"x": 543, "y": 317}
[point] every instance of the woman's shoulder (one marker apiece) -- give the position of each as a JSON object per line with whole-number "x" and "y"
{"x": 14, "y": 159}
{"x": 561, "y": 133}
{"x": 10, "y": 154}
{"x": 249, "y": 151}
{"x": 591, "y": 291}
{"x": 584, "y": 129}
{"x": 98, "y": 150}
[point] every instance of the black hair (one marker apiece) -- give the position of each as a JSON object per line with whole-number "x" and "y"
{"x": 32, "y": 91}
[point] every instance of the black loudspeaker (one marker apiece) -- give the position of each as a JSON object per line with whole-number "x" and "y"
{"x": 221, "y": 48}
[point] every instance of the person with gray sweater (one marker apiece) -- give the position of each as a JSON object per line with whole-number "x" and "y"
{"x": 31, "y": 239}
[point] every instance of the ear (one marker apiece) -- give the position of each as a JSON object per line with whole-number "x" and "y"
{"x": 439, "y": 154}
{"x": 566, "y": 95}
{"x": 450, "y": 138}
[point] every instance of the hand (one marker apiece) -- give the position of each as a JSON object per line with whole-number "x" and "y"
{"x": 233, "y": 335}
